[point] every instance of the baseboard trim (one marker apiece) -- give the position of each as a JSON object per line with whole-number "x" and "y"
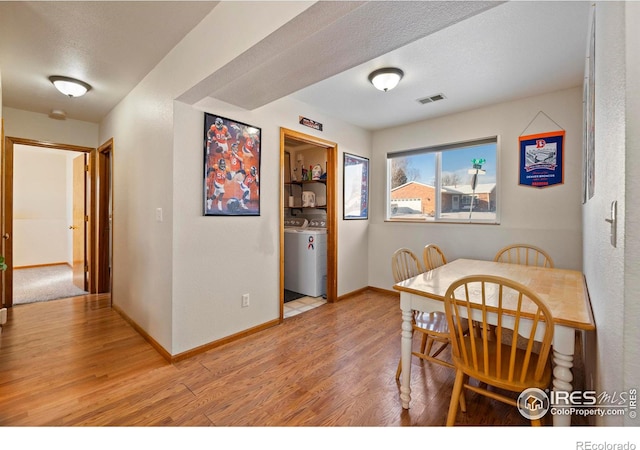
{"x": 194, "y": 351}
{"x": 353, "y": 293}
{"x": 42, "y": 265}
{"x": 385, "y": 291}
{"x": 368, "y": 288}
{"x": 234, "y": 337}
{"x": 226, "y": 340}
{"x": 159, "y": 348}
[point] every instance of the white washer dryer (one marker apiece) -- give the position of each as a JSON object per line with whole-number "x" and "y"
{"x": 305, "y": 258}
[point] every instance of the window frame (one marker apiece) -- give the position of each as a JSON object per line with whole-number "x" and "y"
{"x": 438, "y": 150}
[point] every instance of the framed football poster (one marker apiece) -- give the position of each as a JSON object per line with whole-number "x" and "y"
{"x": 231, "y": 167}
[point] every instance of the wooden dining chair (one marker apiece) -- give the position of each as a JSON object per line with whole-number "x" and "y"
{"x": 524, "y": 254}
{"x": 509, "y": 307}
{"x": 433, "y": 257}
{"x": 432, "y": 326}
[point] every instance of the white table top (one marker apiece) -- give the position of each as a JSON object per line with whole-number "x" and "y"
{"x": 564, "y": 291}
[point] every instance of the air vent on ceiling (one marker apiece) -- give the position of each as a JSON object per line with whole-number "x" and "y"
{"x": 431, "y": 99}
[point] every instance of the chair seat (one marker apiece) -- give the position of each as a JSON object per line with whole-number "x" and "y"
{"x": 495, "y": 379}
{"x": 435, "y": 322}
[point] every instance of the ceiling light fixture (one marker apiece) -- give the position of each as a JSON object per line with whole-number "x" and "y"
{"x": 70, "y": 86}
{"x": 58, "y": 114}
{"x": 386, "y": 79}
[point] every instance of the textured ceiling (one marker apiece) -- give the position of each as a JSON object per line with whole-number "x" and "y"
{"x": 110, "y": 45}
{"x": 472, "y": 53}
{"x": 517, "y": 49}
{"x": 329, "y": 38}
{"x": 475, "y": 53}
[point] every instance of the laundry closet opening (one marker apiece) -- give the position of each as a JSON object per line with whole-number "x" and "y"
{"x": 308, "y": 276}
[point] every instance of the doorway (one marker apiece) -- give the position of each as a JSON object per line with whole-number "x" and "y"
{"x": 88, "y": 224}
{"x": 293, "y": 144}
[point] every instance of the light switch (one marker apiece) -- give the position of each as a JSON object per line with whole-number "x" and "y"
{"x": 613, "y": 221}
{"x": 158, "y": 214}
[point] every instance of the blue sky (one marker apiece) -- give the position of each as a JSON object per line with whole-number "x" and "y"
{"x": 458, "y": 161}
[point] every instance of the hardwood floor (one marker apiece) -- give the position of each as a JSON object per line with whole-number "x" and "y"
{"x": 76, "y": 362}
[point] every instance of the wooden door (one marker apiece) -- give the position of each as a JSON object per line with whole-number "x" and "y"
{"x": 79, "y": 223}
{"x": 6, "y": 213}
{"x": 104, "y": 207}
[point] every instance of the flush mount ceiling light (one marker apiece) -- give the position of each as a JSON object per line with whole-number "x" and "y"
{"x": 70, "y": 86}
{"x": 386, "y": 79}
{"x": 58, "y": 114}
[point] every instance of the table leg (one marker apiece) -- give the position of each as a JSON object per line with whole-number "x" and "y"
{"x": 405, "y": 347}
{"x": 563, "y": 351}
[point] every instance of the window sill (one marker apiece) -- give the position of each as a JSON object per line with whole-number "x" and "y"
{"x": 442, "y": 221}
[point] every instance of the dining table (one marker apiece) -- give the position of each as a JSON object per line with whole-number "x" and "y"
{"x": 563, "y": 291}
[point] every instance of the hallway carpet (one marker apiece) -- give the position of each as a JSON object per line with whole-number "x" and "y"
{"x": 40, "y": 284}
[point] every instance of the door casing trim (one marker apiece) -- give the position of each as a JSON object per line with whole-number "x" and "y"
{"x": 332, "y": 221}
{"x": 7, "y": 205}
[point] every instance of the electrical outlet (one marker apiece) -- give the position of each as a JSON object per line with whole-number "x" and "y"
{"x": 245, "y": 300}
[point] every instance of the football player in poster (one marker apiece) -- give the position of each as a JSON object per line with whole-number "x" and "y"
{"x": 236, "y": 166}
{"x": 218, "y": 134}
{"x": 250, "y": 143}
{"x": 250, "y": 179}
{"x": 217, "y": 176}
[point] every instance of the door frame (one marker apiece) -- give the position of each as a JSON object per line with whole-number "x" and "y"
{"x": 103, "y": 268}
{"x": 332, "y": 221}
{"x": 6, "y": 206}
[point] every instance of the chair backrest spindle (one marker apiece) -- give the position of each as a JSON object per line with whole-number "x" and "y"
{"x": 405, "y": 264}
{"x": 433, "y": 257}
{"x": 524, "y": 254}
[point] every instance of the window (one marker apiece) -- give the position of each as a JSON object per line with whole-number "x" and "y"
{"x": 448, "y": 183}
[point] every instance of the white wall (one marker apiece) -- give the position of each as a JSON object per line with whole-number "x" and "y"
{"x": 40, "y": 127}
{"x": 145, "y": 266}
{"x": 221, "y": 258}
{"x": 631, "y": 364}
{"x": 41, "y": 204}
{"x": 549, "y": 217}
{"x": 612, "y": 273}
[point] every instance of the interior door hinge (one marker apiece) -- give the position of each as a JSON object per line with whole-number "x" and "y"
{"x": 86, "y": 268}
{"x": 86, "y": 218}
{"x": 86, "y": 168}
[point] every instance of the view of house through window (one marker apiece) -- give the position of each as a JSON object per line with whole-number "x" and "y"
{"x": 455, "y": 182}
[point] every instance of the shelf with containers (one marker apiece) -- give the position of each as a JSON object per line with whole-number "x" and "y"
{"x": 295, "y": 190}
